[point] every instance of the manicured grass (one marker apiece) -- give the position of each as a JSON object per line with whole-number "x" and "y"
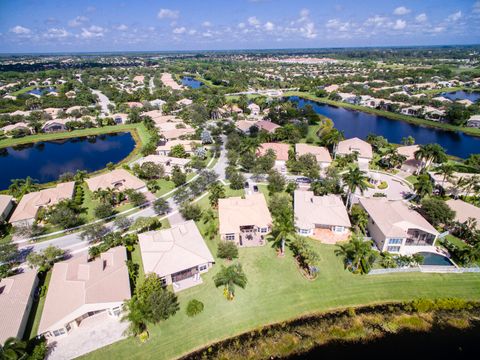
{"x": 276, "y": 291}
{"x": 387, "y": 114}
{"x": 139, "y": 128}
{"x": 89, "y": 203}
{"x": 412, "y": 179}
{"x": 36, "y": 311}
{"x": 165, "y": 186}
{"x": 137, "y": 259}
{"x": 23, "y": 91}
{"x": 231, "y": 192}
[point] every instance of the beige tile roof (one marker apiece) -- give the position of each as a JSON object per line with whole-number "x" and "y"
{"x": 244, "y": 125}
{"x": 311, "y": 210}
{"x": 19, "y": 125}
{"x": 15, "y": 293}
{"x": 281, "y": 150}
{"x": 167, "y": 80}
{"x": 30, "y": 203}
{"x": 77, "y": 282}
{"x": 170, "y": 131}
{"x": 394, "y": 218}
{"x": 5, "y": 201}
{"x": 408, "y": 151}
{"x": 234, "y": 212}
{"x": 355, "y": 144}
{"x": 464, "y": 210}
{"x": 267, "y": 126}
{"x": 118, "y": 178}
{"x": 168, "y": 251}
{"x": 187, "y": 144}
{"x": 321, "y": 153}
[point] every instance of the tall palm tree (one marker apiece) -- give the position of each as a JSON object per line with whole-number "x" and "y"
{"x": 357, "y": 254}
{"x": 283, "y": 229}
{"x": 332, "y": 138}
{"x": 430, "y": 153}
{"x": 354, "y": 179}
{"x": 423, "y": 186}
{"x": 229, "y": 277}
{"x": 249, "y": 145}
{"x": 446, "y": 170}
{"x": 13, "y": 349}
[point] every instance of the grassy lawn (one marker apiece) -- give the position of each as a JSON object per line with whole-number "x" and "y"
{"x": 412, "y": 179}
{"x": 23, "y": 91}
{"x": 276, "y": 291}
{"x": 36, "y": 311}
{"x": 165, "y": 186}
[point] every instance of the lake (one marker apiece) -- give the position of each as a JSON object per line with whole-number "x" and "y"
{"x": 439, "y": 343}
{"x": 45, "y": 161}
{"x": 462, "y": 95}
{"x": 191, "y": 82}
{"x": 359, "y": 124}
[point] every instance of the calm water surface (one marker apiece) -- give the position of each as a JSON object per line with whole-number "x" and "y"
{"x": 360, "y": 124}
{"x": 191, "y": 82}
{"x": 45, "y": 161}
{"x": 462, "y": 95}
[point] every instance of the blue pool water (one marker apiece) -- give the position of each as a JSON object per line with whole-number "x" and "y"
{"x": 41, "y": 92}
{"x": 462, "y": 95}
{"x": 191, "y": 82}
{"x": 435, "y": 259}
{"x": 360, "y": 124}
{"x": 45, "y": 161}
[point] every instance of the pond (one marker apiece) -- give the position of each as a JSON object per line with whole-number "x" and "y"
{"x": 462, "y": 95}
{"x": 360, "y": 124}
{"x": 191, "y": 82}
{"x": 43, "y": 91}
{"x": 45, "y": 161}
{"x": 439, "y": 343}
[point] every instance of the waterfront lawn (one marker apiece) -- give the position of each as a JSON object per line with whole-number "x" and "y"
{"x": 276, "y": 291}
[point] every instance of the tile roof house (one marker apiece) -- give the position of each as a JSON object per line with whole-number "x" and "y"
{"x": 119, "y": 179}
{"x": 410, "y": 164}
{"x": 254, "y": 109}
{"x": 79, "y": 289}
{"x": 6, "y": 206}
{"x": 281, "y": 152}
{"x": 167, "y": 162}
{"x": 55, "y": 125}
{"x": 27, "y": 208}
{"x": 16, "y": 297}
{"x": 17, "y": 126}
{"x": 396, "y": 228}
{"x": 267, "y": 126}
{"x": 246, "y": 221}
{"x": 174, "y": 130}
{"x": 188, "y": 145}
{"x": 321, "y": 216}
{"x": 321, "y": 153}
{"x": 474, "y": 121}
{"x": 356, "y": 145}
{"x": 464, "y": 211}
{"x": 177, "y": 255}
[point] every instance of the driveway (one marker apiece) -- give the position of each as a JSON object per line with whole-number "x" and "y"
{"x": 104, "y": 101}
{"x": 396, "y": 190}
{"x": 93, "y": 333}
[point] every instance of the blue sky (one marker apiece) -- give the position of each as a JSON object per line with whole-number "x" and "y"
{"x": 115, "y": 25}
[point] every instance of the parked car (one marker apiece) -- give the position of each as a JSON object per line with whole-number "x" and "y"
{"x": 303, "y": 180}
{"x": 246, "y": 185}
{"x": 255, "y": 188}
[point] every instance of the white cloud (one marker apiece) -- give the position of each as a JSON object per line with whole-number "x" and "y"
{"x": 399, "y": 24}
{"x": 56, "y": 33}
{"x": 79, "y": 20}
{"x": 179, "y": 30}
{"x": 168, "y": 14}
{"x": 308, "y": 31}
{"x": 241, "y": 25}
{"x": 192, "y": 32}
{"x": 207, "y": 24}
{"x": 476, "y": 7}
{"x": 304, "y": 14}
{"x": 269, "y": 26}
{"x": 455, "y": 16}
{"x": 252, "y": 20}
{"x": 421, "y": 18}
{"x": 122, "y": 27}
{"x": 337, "y": 25}
{"x": 92, "y": 32}
{"x": 401, "y": 10}
{"x": 20, "y": 30}
{"x": 376, "y": 21}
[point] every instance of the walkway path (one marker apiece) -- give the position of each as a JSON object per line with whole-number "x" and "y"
{"x": 104, "y": 101}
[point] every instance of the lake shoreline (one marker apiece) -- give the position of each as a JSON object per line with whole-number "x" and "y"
{"x": 345, "y": 327}
{"x": 393, "y": 116}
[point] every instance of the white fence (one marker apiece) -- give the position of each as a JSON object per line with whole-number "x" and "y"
{"x": 426, "y": 269}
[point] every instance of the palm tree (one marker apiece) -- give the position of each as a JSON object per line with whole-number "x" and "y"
{"x": 357, "y": 254}
{"x": 29, "y": 185}
{"x": 80, "y": 176}
{"x": 217, "y": 191}
{"x": 430, "y": 153}
{"x": 228, "y": 277}
{"x": 13, "y": 349}
{"x": 134, "y": 315}
{"x": 332, "y": 138}
{"x": 423, "y": 186}
{"x": 354, "y": 179}
{"x": 446, "y": 170}
{"x": 249, "y": 145}
{"x": 283, "y": 229}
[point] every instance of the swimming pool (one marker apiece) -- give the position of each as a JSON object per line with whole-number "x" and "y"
{"x": 435, "y": 259}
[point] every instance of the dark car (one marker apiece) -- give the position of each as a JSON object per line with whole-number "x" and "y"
{"x": 246, "y": 185}
{"x": 255, "y": 188}
{"x": 303, "y": 180}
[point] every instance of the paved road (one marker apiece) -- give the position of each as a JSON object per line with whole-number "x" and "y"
{"x": 74, "y": 244}
{"x": 151, "y": 85}
{"x": 104, "y": 101}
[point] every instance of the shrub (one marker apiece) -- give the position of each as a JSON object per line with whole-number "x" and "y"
{"x": 227, "y": 250}
{"x": 103, "y": 211}
{"x": 383, "y": 185}
{"x": 194, "y": 307}
{"x": 191, "y": 211}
